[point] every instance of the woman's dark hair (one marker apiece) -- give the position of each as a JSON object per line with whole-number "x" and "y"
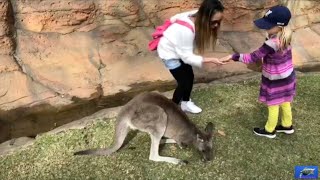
{"x": 205, "y": 35}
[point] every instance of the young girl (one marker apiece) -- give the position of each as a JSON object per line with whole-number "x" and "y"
{"x": 278, "y": 77}
{"x": 176, "y": 47}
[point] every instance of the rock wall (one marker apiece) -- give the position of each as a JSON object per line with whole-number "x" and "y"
{"x": 61, "y": 60}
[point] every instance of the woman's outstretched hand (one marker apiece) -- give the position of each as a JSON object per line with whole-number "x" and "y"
{"x": 213, "y": 60}
{"x": 226, "y": 58}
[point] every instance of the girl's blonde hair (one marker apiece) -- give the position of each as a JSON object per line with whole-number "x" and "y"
{"x": 285, "y": 36}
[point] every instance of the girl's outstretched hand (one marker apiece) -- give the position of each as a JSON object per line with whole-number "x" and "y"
{"x": 213, "y": 60}
{"x": 226, "y": 58}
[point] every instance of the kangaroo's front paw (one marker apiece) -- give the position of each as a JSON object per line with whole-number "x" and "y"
{"x": 182, "y": 145}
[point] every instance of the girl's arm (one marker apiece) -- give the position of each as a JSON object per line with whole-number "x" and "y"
{"x": 255, "y": 55}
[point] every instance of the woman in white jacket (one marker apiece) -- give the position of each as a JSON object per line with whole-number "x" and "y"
{"x": 176, "y": 48}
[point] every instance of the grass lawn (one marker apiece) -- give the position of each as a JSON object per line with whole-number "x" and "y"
{"x": 239, "y": 154}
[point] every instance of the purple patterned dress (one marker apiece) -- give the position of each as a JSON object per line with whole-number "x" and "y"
{"x": 278, "y": 84}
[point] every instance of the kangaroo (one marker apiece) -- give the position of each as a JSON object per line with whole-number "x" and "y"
{"x": 157, "y": 115}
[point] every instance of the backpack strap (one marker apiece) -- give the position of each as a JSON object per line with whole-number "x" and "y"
{"x": 158, "y": 33}
{"x": 184, "y": 23}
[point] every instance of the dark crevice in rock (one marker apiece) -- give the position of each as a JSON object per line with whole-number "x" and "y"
{"x": 5, "y": 129}
{"x": 310, "y": 67}
{"x": 30, "y": 121}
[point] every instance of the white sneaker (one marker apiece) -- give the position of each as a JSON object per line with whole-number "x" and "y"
{"x": 189, "y": 106}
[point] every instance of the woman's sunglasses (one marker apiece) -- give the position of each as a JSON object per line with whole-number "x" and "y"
{"x": 215, "y": 23}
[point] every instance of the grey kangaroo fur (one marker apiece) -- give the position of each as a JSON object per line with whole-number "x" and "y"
{"x": 160, "y": 117}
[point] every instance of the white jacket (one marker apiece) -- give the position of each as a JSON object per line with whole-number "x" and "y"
{"x": 178, "y": 42}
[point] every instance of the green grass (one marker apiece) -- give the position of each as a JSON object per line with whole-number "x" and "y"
{"x": 239, "y": 154}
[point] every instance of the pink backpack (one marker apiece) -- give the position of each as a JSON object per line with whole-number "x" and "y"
{"x": 158, "y": 33}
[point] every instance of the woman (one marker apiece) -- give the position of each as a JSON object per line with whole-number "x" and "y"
{"x": 176, "y": 47}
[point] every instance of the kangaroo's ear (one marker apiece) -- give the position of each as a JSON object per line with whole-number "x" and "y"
{"x": 209, "y": 128}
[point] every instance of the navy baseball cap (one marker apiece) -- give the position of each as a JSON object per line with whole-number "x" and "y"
{"x": 275, "y": 16}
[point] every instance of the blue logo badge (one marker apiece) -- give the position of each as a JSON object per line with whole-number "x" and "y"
{"x": 306, "y": 172}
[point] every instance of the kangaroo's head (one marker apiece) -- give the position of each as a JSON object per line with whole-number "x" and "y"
{"x": 203, "y": 142}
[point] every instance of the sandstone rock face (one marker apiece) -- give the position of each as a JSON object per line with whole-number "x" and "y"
{"x": 61, "y": 60}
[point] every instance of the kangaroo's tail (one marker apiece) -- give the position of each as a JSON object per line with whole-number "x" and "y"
{"x": 122, "y": 130}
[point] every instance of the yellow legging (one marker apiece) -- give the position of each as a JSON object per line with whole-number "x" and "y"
{"x": 286, "y": 118}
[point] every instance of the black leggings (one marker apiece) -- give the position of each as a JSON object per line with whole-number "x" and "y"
{"x": 184, "y": 77}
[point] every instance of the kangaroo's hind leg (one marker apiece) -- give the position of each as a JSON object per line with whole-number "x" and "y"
{"x": 154, "y": 121}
